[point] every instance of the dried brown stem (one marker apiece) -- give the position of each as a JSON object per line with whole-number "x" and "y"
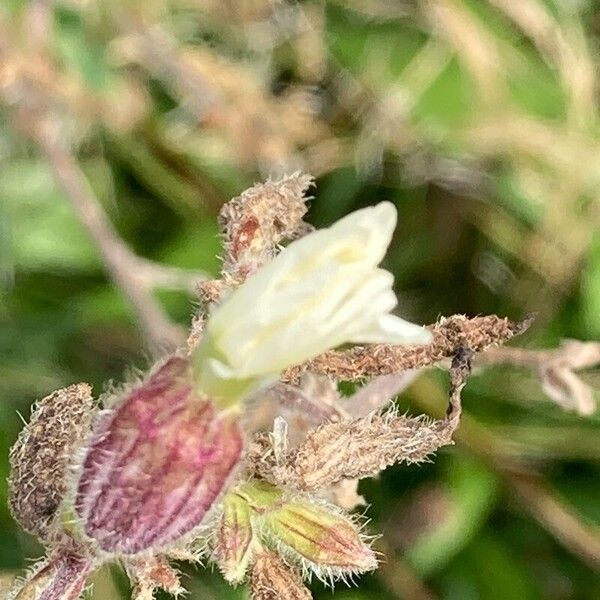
{"x": 558, "y": 518}
{"x": 450, "y": 333}
{"x": 459, "y": 372}
{"x": 575, "y": 354}
{"x": 556, "y": 370}
{"x": 135, "y": 277}
{"x": 37, "y": 115}
{"x": 120, "y": 262}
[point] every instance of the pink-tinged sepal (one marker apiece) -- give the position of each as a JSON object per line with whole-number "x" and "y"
{"x": 234, "y": 539}
{"x": 156, "y": 463}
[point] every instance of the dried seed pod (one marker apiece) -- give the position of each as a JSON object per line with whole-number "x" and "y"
{"x": 156, "y": 463}
{"x": 41, "y": 457}
{"x": 352, "y": 448}
{"x": 272, "y": 579}
{"x": 321, "y": 538}
{"x": 257, "y": 221}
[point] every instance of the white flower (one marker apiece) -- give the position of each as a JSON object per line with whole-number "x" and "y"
{"x": 321, "y": 291}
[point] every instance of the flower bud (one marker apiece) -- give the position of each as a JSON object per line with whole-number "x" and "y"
{"x": 234, "y": 539}
{"x": 156, "y": 463}
{"x": 320, "y": 536}
{"x": 321, "y": 291}
{"x": 42, "y": 455}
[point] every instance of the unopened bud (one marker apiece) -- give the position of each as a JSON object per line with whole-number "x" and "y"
{"x": 327, "y": 540}
{"x": 42, "y": 455}
{"x": 233, "y": 547}
{"x": 156, "y": 463}
{"x": 236, "y": 536}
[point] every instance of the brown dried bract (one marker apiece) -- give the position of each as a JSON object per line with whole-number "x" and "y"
{"x": 272, "y": 579}
{"x": 449, "y": 334}
{"x": 42, "y": 454}
{"x": 152, "y": 573}
{"x": 254, "y": 225}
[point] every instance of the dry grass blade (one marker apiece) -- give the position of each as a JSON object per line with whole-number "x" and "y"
{"x": 121, "y": 264}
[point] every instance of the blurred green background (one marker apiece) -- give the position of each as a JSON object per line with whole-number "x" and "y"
{"x": 478, "y": 118}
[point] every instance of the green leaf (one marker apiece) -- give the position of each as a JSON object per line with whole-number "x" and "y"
{"x": 40, "y": 224}
{"x": 473, "y": 491}
{"x": 590, "y": 292}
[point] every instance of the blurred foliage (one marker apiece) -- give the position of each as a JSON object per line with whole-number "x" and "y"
{"x": 477, "y": 118}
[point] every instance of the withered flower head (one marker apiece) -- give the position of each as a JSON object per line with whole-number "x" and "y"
{"x": 41, "y": 457}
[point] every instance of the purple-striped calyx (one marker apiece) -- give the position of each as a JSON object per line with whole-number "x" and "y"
{"x": 155, "y": 464}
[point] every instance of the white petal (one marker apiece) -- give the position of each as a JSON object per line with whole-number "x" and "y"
{"x": 389, "y": 329}
{"x": 321, "y": 291}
